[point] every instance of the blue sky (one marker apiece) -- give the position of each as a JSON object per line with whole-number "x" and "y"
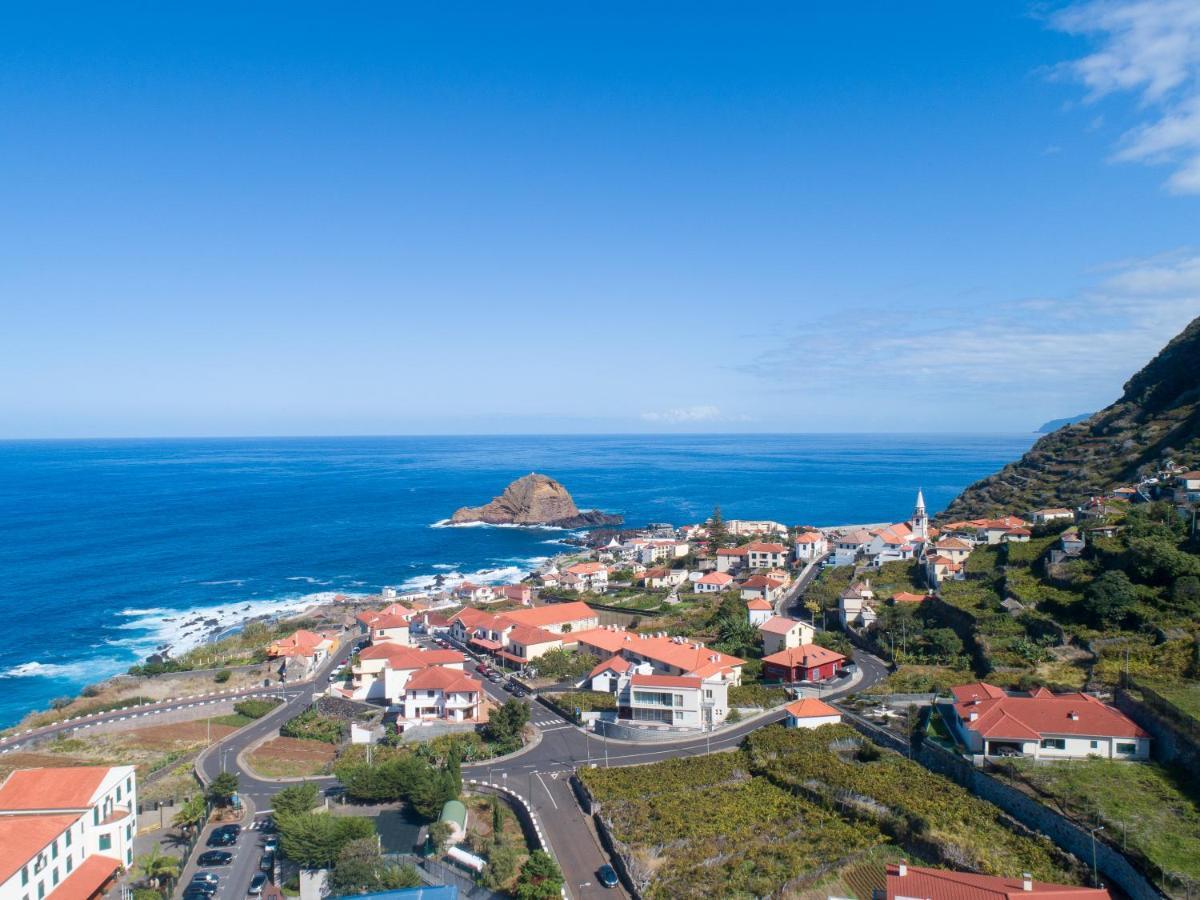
{"x": 290, "y": 219}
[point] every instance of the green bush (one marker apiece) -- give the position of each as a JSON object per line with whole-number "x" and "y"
{"x": 256, "y": 708}
{"x": 311, "y": 725}
{"x": 223, "y": 676}
{"x": 757, "y": 695}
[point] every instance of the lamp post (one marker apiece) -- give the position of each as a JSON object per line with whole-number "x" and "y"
{"x": 1095, "y": 874}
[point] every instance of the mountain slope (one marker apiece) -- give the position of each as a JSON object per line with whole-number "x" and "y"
{"x": 1157, "y": 417}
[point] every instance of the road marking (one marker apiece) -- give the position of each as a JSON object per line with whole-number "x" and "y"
{"x": 547, "y": 789}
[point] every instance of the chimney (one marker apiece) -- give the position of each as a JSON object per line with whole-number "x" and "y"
{"x": 974, "y": 715}
{"x": 902, "y": 870}
{"x": 1026, "y": 882}
{"x": 1073, "y": 716}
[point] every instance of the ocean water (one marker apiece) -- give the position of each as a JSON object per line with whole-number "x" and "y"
{"x": 110, "y": 549}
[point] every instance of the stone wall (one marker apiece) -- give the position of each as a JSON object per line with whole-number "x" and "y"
{"x": 1174, "y": 741}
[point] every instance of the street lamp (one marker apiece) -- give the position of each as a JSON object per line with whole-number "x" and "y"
{"x": 1095, "y": 874}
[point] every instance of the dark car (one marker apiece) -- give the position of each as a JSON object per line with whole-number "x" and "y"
{"x": 267, "y": 825}
{"x": 214, "y": 858}
{"x": 200, "y": 888}
{"x": 204, "y": 878}
{"x": 267, "y": 862}
{"x": 256, "y": 884}
{"x": 270, "y": 844}
{"x": 225, "y": 836}
{"x": 607, "y": 876}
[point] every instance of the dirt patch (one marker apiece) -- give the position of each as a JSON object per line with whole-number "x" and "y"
{"x": 284, "y": 757}
{"x": 166, "y": 737}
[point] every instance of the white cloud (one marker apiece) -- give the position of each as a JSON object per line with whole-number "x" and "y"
{"x": 683, "y": 414}
{"x": 1052, "y": 352}
{"x": 1150, "y": 48}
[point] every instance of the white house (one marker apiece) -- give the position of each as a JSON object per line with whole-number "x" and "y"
{"x": 761, "y": 555}
{"x": 761, "y": 587}
{"x": 848, "y": 546}
{"x": 678, "y": 701}
{"x": 758, "y": 610}
{"x": 1054, "y": 514}
{"x": 1187, "y": 487}
{"x": 749, "y": 528}
{"x": 383, "y": 670}
{"x": 713, "y": 583}
{"x": 854, "y": 606}
{"x": 1043, "y": 725}
{"x": 779, "y": 633}
{"x": 66, "y": 832}
{"x": 730, "y": 559}
{"x": 441, "y": 694}
{"x": 469, "y": 592}
{"x": 810, "y": 713}
{"x": 587, "y": 576}
{"x": 809, "y": 545}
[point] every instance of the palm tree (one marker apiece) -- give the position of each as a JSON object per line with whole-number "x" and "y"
{"x": 156, "y": 866}
{"x": 190, "y": 813}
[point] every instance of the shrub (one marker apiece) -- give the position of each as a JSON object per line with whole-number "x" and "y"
{"x": 223, "y": 676}
{"x": 311, "y": 725}
{"x": 256, "y": 708}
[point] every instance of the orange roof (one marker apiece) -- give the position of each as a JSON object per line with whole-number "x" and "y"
{"x": 300, "y": 643}
{"x": 400, "y": 657}
{"x": 680, "y": 681}
{"x": 779, "y": 625}
{"x": 810, "y": 537}
{"x": 810, "y": 708}
{"x": 69, "y": 787}
{"x": 762, "y": 547}
{"x": 527, "y": 634}
{"x": 720, "y": 578}
{"x": 906, "y": 597}
{"x": 617, "y": 664}
{"x": 389, "y": 621}
{"x": 22, "y": 837}
{"x": 761, "y": 581}
{"x": 943, "y": 884}
{"x": 1001, "y": 716}
{"x": 687, "y": 656}
{"x": 552, "y": 614}
{"x": 436, "y": 678}
{"x": 758, "y": 603}
{"x": 734, "y": 551}
{"x": 587, "y": 568}
{"x": 952, "y": 543}
{"x": 87, "y": 879}
{"x": 806, "y": 656}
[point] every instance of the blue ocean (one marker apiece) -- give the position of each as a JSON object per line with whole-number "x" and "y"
{"x": 108, "y": 548}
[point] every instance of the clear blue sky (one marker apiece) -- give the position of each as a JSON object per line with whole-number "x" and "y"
{"x": 300, "y": 219}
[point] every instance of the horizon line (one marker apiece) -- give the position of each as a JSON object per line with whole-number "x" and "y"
{"x": 496, "y": 434}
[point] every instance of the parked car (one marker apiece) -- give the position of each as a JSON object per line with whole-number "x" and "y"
{"x": 256, "y": 884}
{"x": 201, "y": 889}
{"x": 267, "y": 825}
{"x": 271, "y": 844}
{"x": 496, "y": 678}
{"x": 266, "y": 862}
{"x": 214, "y": 858}
{"x": 205, "y": 877}
{"x": 607, "y": 876}
{"x": 223, "y": 836}
{"x": 520, "y": 693}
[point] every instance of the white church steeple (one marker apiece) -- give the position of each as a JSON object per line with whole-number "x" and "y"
{"x": 920, "y": 521}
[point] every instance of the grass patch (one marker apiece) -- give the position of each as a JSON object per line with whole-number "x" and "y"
{"x": 758, "y": 695}
{"x": 1151, "y": 808}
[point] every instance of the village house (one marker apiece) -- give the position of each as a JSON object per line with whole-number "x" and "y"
{"x": 758, "y": 610}
{"x": 664, "y": 578}
{"x": 301, "y": 653}
{"x": 954, "y": 549}
{"x": 526, "y": 643}
{"x": 991, "y": 722}
{"x": 761, "y": 587}
{"x": 713, "y": 583}
{"x": 748, "y": 528}
{"x": 940, "y": 568}
{"x": 1054, "y": 514}
{"x": 493, "y": 632}
{"x": 441, "y": 694}
{"x": 905, "y": 882}
{"x": 854, "y": 606}
{"x": 1017, "y": 536}
{"x": 810, "y": 713}
{"x": 675, "y": 701}
{"x": 808, "y": 662}
{"x": 761, "y": 555}
{"x": 390, "y": 629}
{"x": 66, "y": 833}
{"x": 383, "y": 669}
{"x": 809, "y": 545}
{"x": 994, "y": 531}
{"x": 517, "y": 593}
{"x": 908, "y": 597}
{"x": 779, "y": 633}
{"x": 606, "y": 676}
{"x": 1070, "y": 546}
{"x": 731, "y": 559}
{"x": 657, "y": 550}
{"x": 848, "y": 546}
{"x": 1187, "y": 487}
{"x": 667, "y": 655}
{"x": 587, "y": 576}
{"x": 468, "y": 592}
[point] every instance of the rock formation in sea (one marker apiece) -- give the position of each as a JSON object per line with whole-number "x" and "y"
{"x": 534, "y": 499}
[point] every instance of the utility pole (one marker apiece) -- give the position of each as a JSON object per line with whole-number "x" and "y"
{"x": 1095, "y": 874}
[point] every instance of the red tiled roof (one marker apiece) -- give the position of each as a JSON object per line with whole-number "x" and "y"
{"x": 617, "y": 664}
{"x": 810, "y": 537}
{"x": 1002, "y": 716}
{"x": 527, "y": 634}
{"x": 763, "y": 547}
{"x": 761, "y": 581}
{"x": 942, "y": 884}
{"x": 734, "y": 551}
{"x": 587, "y": 568}
{"x": 952, "y": 543}
{"x": 68, "y": 787}
{"x": 718, "y": 578}
{"x": 807, "y": 656}
{"x": 779, "y": 625}
{"x": 758, "y": 603}
{"x": 552, "y": 614}
{"x": 486, "y": 644}
{"x": 436, "y": 678}
{"x": 21, "y": 837}
{"x": 687, "y": 656}
{"x": 810, "y": 708}
{"x": 389, "y": 621}
{"x": 87, "y": 879}
{"x": 400, "y": 657}
{"x": 680, "y": 681}
{"x": 906, "y": 597}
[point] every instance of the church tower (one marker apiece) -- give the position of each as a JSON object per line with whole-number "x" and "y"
{"x": 920, "y": 521}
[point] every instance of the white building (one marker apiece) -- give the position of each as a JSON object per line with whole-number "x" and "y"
{"x": 760, "y": 555}
{"x": 848, "y": 546}
{"x": 441, "y": 694}
{"x": 383, "y": 670}
{"x": 809, "y": 545}
{"x": 779, "y": 633}
{"x": 678, "y": 701}
{"x": 810, "y": 713}
{"x": 713, "y": 583}
{"x": 65, "y": 832}
{"x": 1043, "y": 725}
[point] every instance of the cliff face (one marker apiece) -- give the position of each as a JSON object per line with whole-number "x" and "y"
{"x": 1157, "y": 417}
{"x": 534, "y": 500}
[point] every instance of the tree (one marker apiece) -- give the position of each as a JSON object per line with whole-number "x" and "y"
{"x": 431, "y": 792}
{"x": 314, "y": 840}
{"x": 157, "y": 867}
{"x": 191, "y": 813}
{"x": 361, "y": 869}
{"x": 454, "y": 772}
{"x": 1109, "y": 598}
{"x": 813, "y": 606}
{"x": 222, "y": 788}
{"x": 718, "y": 536}
{"x": 501, "y": 866}
{"x": 944, "y": 642}
{"x": 506, "y": 724}
{"x": 439, "y": 835}
{"x": 296, "y": 799}
{"x": 1185, "y": 594}
{"x": 540, "y": 878}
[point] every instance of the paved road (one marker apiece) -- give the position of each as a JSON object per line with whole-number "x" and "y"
{"x": 539, "y": 773}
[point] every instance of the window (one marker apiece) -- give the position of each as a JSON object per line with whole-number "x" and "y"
{"x": 1094, "y": 744}
{"x": 24, "y": 875}
{"x": 54, "y": 875}
{"x": 129, "y": 832}
{"x": 106, "y": 842}
{"x": 67, "y": 838}
{"x": 1054, "y": 744}
{"x": 118, "y": 793}
{"x": 95, "y": 815}
{"x": 41, "y": 890}
{"x": 129, "y": 785}
{"x": 1126, "y": 748}
{"x": 70, "y": 865}
{"x": 708, "y": 693}
{"x": 54, "y": 849}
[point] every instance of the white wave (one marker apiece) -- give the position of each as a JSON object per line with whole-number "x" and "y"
{"x": 445, "y": 567}
{"x": 307, "y": 579}
{"x": 153, "y": 611}
{"x": 228, "y": 581}
{"x": 446, "y": 523}
{"x": 36, "y": 669}
{"x": 451, "y": 579}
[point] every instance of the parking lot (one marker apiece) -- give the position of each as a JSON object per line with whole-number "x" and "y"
{"x": 234, "y": 877}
